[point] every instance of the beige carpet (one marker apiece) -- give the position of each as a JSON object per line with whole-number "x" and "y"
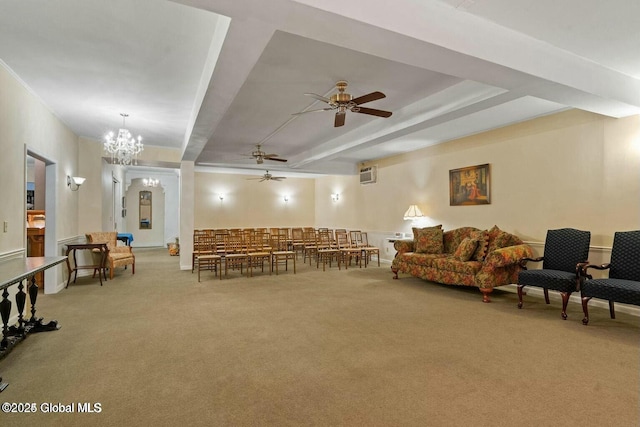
{"x": 352, "y": 348}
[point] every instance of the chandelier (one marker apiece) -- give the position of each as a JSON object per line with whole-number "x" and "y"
{"x": 150, "y": 182}
{"x": 124, "y": 148}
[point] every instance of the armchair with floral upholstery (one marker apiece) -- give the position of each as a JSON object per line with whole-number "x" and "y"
{"x": 118, "y": 256}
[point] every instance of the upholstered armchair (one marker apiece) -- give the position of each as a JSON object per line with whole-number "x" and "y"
{"x": 118, "y": 256}
{"x": 623, "y": 283}
{"x": 565, "y": 252}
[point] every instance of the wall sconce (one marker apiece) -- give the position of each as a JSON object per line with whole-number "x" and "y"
{"x": 286, "y": 199}
{"x": 221, "y": 197}
{"x": 335, "y": 197}
{"x": 413, "y": 213}
{"x": 75, "y": 182}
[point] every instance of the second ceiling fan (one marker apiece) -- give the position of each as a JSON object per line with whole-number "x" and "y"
{"x": 343, "y": 101}
{"x": 261, "y": 156}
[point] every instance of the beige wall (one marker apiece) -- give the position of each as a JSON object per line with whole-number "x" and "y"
{"x": 572, "y": 169}
{"x": 250, "y": 203}
{"x": 145, "y": 237}
{"x": 25, "y": 121}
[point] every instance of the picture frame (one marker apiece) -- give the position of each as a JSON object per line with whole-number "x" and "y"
{"x": 470, "y": 186}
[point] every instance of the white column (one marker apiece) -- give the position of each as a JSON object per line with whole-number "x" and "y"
{"x": 187, "y": 191}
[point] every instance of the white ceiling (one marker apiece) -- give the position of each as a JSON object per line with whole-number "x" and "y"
{"x": 213, "y": 78}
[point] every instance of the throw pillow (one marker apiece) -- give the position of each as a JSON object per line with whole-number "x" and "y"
{"x": 481, "y": 248}
{"x": 428, "y": 240}
{"x": 465, "y": 249}
{"x": 499, "y": 241}
{"x": 416, "y": 232}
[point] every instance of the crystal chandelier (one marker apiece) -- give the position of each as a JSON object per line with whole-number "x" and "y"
{"x": 124, "y": 148}
{"x": 150, "y": 182}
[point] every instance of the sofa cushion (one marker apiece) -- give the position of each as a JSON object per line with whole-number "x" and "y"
{"x": 465, "y": 249}
{"x": 497, "y": 239}
{"x": 482, "y": 236}
{"x": 425, "y": 260}
{"x": 451, "y": 264}
{"x": 428, "y": 240}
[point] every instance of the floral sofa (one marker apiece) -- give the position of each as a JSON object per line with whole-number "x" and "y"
{"x": 465, "y": 256}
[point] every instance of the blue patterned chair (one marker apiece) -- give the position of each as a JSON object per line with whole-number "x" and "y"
{"x": 623, "y": 284}
{"x": 565, "y": 252}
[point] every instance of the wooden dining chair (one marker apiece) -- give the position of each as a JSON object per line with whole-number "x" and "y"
{"x": 235, "y": 254}
{"x": 281, "y": 254}
{"x": 310, "y": 248}
{"x": 297, "y": 240}
{"x": 199, "y": 246}
{"x": 257, "y": 253}
{"x": 368, "y": 250}
{"x": 347, "y": 251}
{"x": 209, "y": 259}
{"x": 327, "y": 250}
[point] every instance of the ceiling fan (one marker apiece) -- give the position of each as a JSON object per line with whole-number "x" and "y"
{"x": 343, "y": 101}
{"x": 268, "y": 177}
{"x": 261, "y": 156}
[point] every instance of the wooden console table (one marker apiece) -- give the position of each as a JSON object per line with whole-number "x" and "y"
{"x": 15, "y": 272}
{"x": 101, "y": 267}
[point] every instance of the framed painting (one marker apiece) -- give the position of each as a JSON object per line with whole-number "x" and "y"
{"x": 470, "y": 186}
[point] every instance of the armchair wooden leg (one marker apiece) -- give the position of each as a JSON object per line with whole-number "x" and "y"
{"x": 585, "y": 310}
{"x": 395, "y": 272}
{"x": 520, "y": 295}
{"x": 546, "y": 296}
{"x": 612, "y": 310}
{"x": 565, "y": 302}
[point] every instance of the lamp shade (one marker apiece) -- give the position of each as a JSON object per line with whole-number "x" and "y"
{"x": 413, "y": 212}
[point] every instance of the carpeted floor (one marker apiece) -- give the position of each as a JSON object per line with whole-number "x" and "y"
{"x": 352, "y": 348}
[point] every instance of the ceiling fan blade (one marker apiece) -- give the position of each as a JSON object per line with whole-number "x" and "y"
{"x": 374, "y": 112}
{"x": 313, "y": 111}
{"x": 368, "y": 98}
{"x": 278, "y": 178}
{"x": 339, "y": 121}
{"x": 318, "y": 97}
{"x": 275, "y": 159}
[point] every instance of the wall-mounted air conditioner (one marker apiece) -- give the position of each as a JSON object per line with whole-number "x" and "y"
{"x": 368, "y": 175}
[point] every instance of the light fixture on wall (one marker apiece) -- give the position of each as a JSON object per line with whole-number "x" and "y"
{"x": 413, "y": 213}
{"x": 124, "y": 148}
{"x": 221, "y": 197}
{"x": 286, "y": 199}
{"x": 335, "y": 197}
{"x": 74, "y": 182}
{"x": 150, "y": 182}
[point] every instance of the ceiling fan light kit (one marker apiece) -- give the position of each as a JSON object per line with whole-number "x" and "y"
{"x": 343, "y": 102}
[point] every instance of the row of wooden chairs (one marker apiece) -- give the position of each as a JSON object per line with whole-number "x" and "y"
{"x": 322, "y": 245}
{"x": 241, "y": 252}
{"x": 326, "y": 246}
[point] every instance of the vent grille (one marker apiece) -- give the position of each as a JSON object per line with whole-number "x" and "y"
{"x": 368, "y": 175}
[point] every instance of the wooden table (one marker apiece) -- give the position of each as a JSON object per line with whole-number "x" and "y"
{"x": 101, "y": 266}
{"x": 15, "y": 272}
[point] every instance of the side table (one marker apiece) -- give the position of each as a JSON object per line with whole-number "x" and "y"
{"x": 101, "y": 267}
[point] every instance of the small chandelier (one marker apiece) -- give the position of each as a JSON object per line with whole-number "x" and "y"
{"x": 124, "y": 148}
{"x": 150, "y": 182}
